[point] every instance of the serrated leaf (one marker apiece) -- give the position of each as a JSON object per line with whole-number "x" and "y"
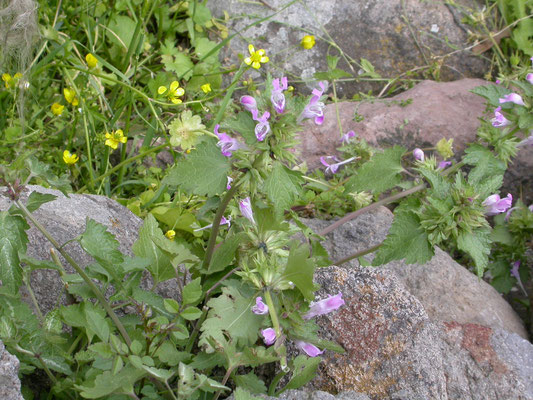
{"x": 97, "y": 323}
{"x": 36, "y": 200}
{"x": 250, "y": 382}
{"x": 103, "y": 247}
{"x": 102, "y": 349}
{"x": 203, "y": 173}
{"x": 244, "y": 124}
{"x": 225, "y": 254}
{"x": 477, "y": 245}
{"x": 381, "y": 173}
{"x": 405, "y": 240}
{"x": 243, "y": 394}
{"x": 304, "y": 370}
{"x": 168, "y": 354}
{"x": 13, "y": 240}
{"x": 192, "y": 292}
{"x": 56, "y": 363}
{"x": 283, "y": 187}
{"x": 486, "y": 164}
{"x": 439, "y": 186}
{"x": 492, "y": 93}
{"x": 160, "y": 265}
{"x": 42, "y": 170}
{"x": 300, "y": 270}
{"x": 108, "y": 383}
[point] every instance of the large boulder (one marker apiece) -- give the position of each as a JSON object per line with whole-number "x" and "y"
{"x": 9, "y": 380}
{"x": 396, "y": 36}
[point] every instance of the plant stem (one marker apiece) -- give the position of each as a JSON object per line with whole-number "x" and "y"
{"x": 371, "y": 207}
{"x": 275, "y": 324}
{"x": 228, "y": 96}
{"x": 80, "y": 271}
{"x": 358, "y": 254}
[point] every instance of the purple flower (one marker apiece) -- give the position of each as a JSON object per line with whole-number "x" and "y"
{"x": 499, "y": 120}
{"x": 418, "y": 154}
{"x": 347, "y": 137}
{"x": 229, "y": 179}
{"x": 324, "y": 306}
{"x": 530, "y": 208}
{"x": 260, "y": 308}
{"x": 277, "y": 97}
{"x": 516, "y": 274}
{"x": 227, "y": 145}
{"x": 249, "y": 103}
{"x": 512, "y": 98}
{"x": 444, "y": 164}
{"x": 529, "y": 78}
{"x": 223, "y": 221}
{"x": 263, "y": 127}
{"x": 498, "y": 81}
{"x": 246, "y": 209}
{"x": 527, "y": 141}
{"x": 315, "y": 108}
{"x": 310, "y": 349}
{"x": 494, "y": 205}
{"x": 269, "y": 336}
{"x": 333, "y": 168}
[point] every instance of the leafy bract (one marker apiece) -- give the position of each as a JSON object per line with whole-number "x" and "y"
{"x": 13, "y": 240}
{"x": 381, "y": 173}
{"x": 224, "y": 255}
{"x": 486, "y": 165}
{"x": 406, "y": 239}
{"x": 300, "y": 270}
{"x": 282, "y": 187}
{"x": 203, "y": 172}
{"x": 477, "y": 245}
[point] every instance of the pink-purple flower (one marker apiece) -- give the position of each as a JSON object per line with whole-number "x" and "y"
{"x": 346, "y": 138}
{"x": 418, "y": 154}
{"x": 249, "y": 103}
{"x": 223, "y": 221}
{"x": 229, "y": 179}
{"x": 495, "y": 205}
{"x": 529, "y": 78}
{"x": 260, "y": 308}
{"x": 269, "y": 336}
{"x": 227, "y": 144}
{"x": 246, "y": 209}
{"x": 499, "y": 120}
{"x": 315, "y": 108}
{"x": 310, "y": 349}
{"x": 527, "y": 141}
{"x": 263, "y": 126}
{"x": 516, "y": 274}
{"x": 444, "y": 164}
{"x": 333, "y": 168}
{"x": 324, "y": 306}
{"x": 512, "y": 98}
{"x": 277, "y": 97}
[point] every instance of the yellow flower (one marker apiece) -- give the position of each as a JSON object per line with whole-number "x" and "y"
{"x": 173, "y": 92}
{"x": 70, "y": 158}
{"x": 114, "y": 138}
{"x": 70, "y": 96}
{"x": 11, "y": 81}
{"x": 57, "y": 109}
{"x": 256, "y": 57}
{"x": 206, "y": 88}
{"x": 91, "y": 60}
{"x": 308, "y": 41}
{"x": 170, "y": 234}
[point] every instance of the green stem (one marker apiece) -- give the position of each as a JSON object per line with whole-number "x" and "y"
{"x": 371, "y": 207}
{"x": 358, "y": 254}
{"x": 228, "y": 96}
{"x": 79, "y": 270}
{"x": 194, "y": 333}
{"x": 275, "y": 324}
{"x": 89, "y": 156}
{"x": 33, "y": 298}
{"x": 125, "y": 162}
{"x": 337, "y": 108}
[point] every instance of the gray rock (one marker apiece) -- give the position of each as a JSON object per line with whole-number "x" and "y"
{"x": 65, "y": 219}
{"x": 9, "y": 380}
{"x": 447, "y": 290}
{"x": 293, "y": 394}
{"x": 394, "y": 35}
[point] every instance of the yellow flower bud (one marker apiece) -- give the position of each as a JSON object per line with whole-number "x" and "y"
{"x": 308, "y": 41}
{"x": 57, "y": 109}
{"x": 206, "y": 88}
{"x": 70, "y": 159}
{"x": 170, "y": 234}
{"x": 91, "y": 60}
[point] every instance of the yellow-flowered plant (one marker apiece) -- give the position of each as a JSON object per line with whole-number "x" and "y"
{"x": 57, "y": 109}
{"x": 173, "y": 92}
{"x": 69, "y": 158}
{"x": 170, "y": 234}
{"x": 308, "y": 41}
{"x": 114, "y": 138}
{"x": 91, "y": 60}
{"x": 206, "y": 88}
{"x": 257, "y": 57}
{"x": 11, "y": 81}
{"x": 70, "y": 96}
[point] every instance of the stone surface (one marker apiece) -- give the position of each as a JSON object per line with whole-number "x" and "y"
{"x": 419, "y": 117}
{"x": 9, "y": 380}
{"x": 65, "y": 219}
{"x": 447, "y": 290}
{"x": 293, "y": 394}
{"x": 394, "y": 35}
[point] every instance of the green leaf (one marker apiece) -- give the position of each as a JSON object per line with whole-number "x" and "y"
{"x": 199, "y": 13}
{"x": 203, "y": 173}
{"x": 369, "y": 69}
{"x": 103, "y": 247}
{"x": 283, "y": 187}
{"x": 191, "y": 313}
{"x": 36, "y": 200}
{"x": 120, "y": 31}
{"x": 243, "y": 394}
{"x": 160, "y": 266}
{"x": 97, "y": 323}
{"x": 491, "y": 92}
{"x": 300, "y": 270}
{"x": 381, "y": 173}
{"x": 486, "y": 164}
{"x": 250, "y": 382}
{"x": 244, "y": 124}
{"x": 304, "y": 370}
{"x": 406, "y": 239}
{"x": 168, "y": 354}
{"x": 439, "y": 186}
{"x": 192, "y": 292}
{"x": 225, "y": 254}
{"x": 56, "y": 363}
{"x": 108, "y": 383}
{"x": 172, "y": 306}
{"x": 13, "y": 240}
{"x": 477, "y": 245}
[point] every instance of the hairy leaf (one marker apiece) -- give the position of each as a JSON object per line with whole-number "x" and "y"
{"x": 477, "y": 245}
{"x": 300, "y": 270}
{"x": 283, "y": 187}
{"x": 486, "y": 165}
{"x": 36, "y": 200}
{"x": 491, "y": 92}
{"x": 108, "y": 383}
{"x": 13, "y": 240}
{"x": 224, "y": 255}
